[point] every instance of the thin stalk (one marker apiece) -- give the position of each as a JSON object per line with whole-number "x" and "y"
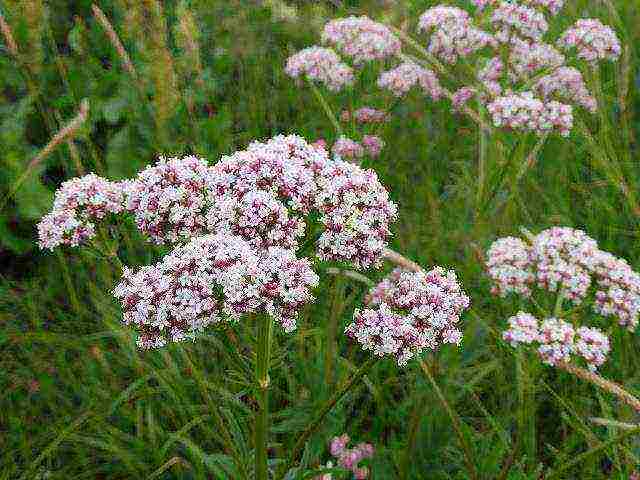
{"x": 526, "y": 413}
{"x": 262, "y": 387}
{"x": 327, "y": 407}
{"x": 482, "y": 159}
{"x": 401, "y": 261}
{"x": 532, "y": 158}
{"x": 327, "y": 109}
{"x": 455, "y": 421}
{"x": 603, "y": 383}
{"x": 337, "y": 306}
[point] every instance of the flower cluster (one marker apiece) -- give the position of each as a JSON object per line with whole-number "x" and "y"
{"x": 452, "y": 33}
{"x": 557, "y": 340}
{"x": 78, "y": 202}
{"x": 168, "y": 199}
{"x": 409, "y": 312}
{"x": 356, "y": 212}
{"x": 347, "y": 148}
{"x": 349, "y": 458}
{"x": 211, "y": 279}
{"x": 592, "y": 40}
{"x": 528, "y": 58}
{"x": 354, "y": 207}
{"x": 361, "y": 39}
{"x": 512, "y": 20}
{"x": 402, "y": 78}
{"x": 364, "y": 115}
{"x": 567, "y": 261}
{"x": 523, "y": 111}
{"x": 567, "y": 84}
{"x": 322, "y": 65}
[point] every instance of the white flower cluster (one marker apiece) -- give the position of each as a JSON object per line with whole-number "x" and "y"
{"x": 321, "y": 65}
{"x": 592, "y": 40}
{"x": 567, "y": 84}
{"x": 356, "y": 213}
{"x": 361, "y": 39}
{"x": 528, "y": 58}
{"x": 354, "y": 207}
{"x": 168, "y": 199}
{"x": 557, "y": 340}
{"x": 512, "y": 21}
{"x": 409, "y": 312}
{"x": 213, "y": 278}
{"x": 402, "y": 78}
{"x": 452, "y": 34}
{"x": 562, "y": 259}
{"x": 78, "y": 202}
{"x": 524, "y": 112}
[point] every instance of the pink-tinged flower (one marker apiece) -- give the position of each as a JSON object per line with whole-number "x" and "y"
{"x": 556, "y": 339}
{"x": 527, "y": 58}
{"x": 62, "y": 227}
{"x": 321, "y": 65}
{"x": 211, "y": 279}
{"x": 564, "y": 257}
{"x": 406, "y": 75}
{"x": 349, "y": 458}
{"x": 593, "y": 346}
{"x": 361, "y": 39}
{"x": 442, "y": 15}
{"x": 339, "y": 444}
{"x": 522, "y": 111}
{"x": 78, "y": 202}
{"x": 320, "y": 144}
{"x": 512, "y": 20}
{"x": 356, "y": 213}
{"x": 592, "y": 40}
{"x": 168, "y": 199}
{"x": 567, "y": 84}
{"x": 419, "y": 310}
{"x": 462, "y": 96}
{"x": 523, "y": 328}
{"x": 369, "y": 115}
{"x": 618, "y": 290}
{"x": 567, "y": 261}
{"x": 258, "y": 216}
{"x": 373, "y": 145}
{"x": 554, "y": 6}
{"x": 354, "y": 207}
{"x": 510, "y": 266}
{"x": 347, "y": 149}
{"x": 452, "y": 33}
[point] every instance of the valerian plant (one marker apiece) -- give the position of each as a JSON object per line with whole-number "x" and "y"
{"x": 566, "y": 280}
{"x": 496, "y": 65}
{"x": 237, "y": 232}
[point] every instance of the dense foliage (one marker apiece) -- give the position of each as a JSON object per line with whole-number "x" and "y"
{"x": 205, "y": 78}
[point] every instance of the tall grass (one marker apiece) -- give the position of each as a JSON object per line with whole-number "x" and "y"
{"x": 78, "y": 400}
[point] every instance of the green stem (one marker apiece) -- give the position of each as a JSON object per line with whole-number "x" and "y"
{"x": 482, "y": 159}
{"x": 455, "y": 420}
{"x": 262, "y": 387}
{"x": 327, "y": 109}
{"x": 526, "y": 413}
{"x": 313, "y": 426}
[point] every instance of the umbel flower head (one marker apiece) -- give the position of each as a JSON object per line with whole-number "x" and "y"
{"x": 355, "y": 209}
{"x": 321, "y": 65}
{"x": 558, "y": 341}
{"x": 562, "y": 259}
{"x": 77, "y": 204}
{"x": 409, "y": 312}
{"x": 168, "y": 199}
{"x": 211, "y": 279}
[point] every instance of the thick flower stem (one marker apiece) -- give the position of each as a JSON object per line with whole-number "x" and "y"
{"x": 327, "y": 109}
{"x": 327, "y": 407}
{"x": 262, "y": 391}
{"x": 602, "y": 383}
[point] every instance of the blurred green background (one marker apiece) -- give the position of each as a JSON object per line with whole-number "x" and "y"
{"x": 76, "y": 398}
